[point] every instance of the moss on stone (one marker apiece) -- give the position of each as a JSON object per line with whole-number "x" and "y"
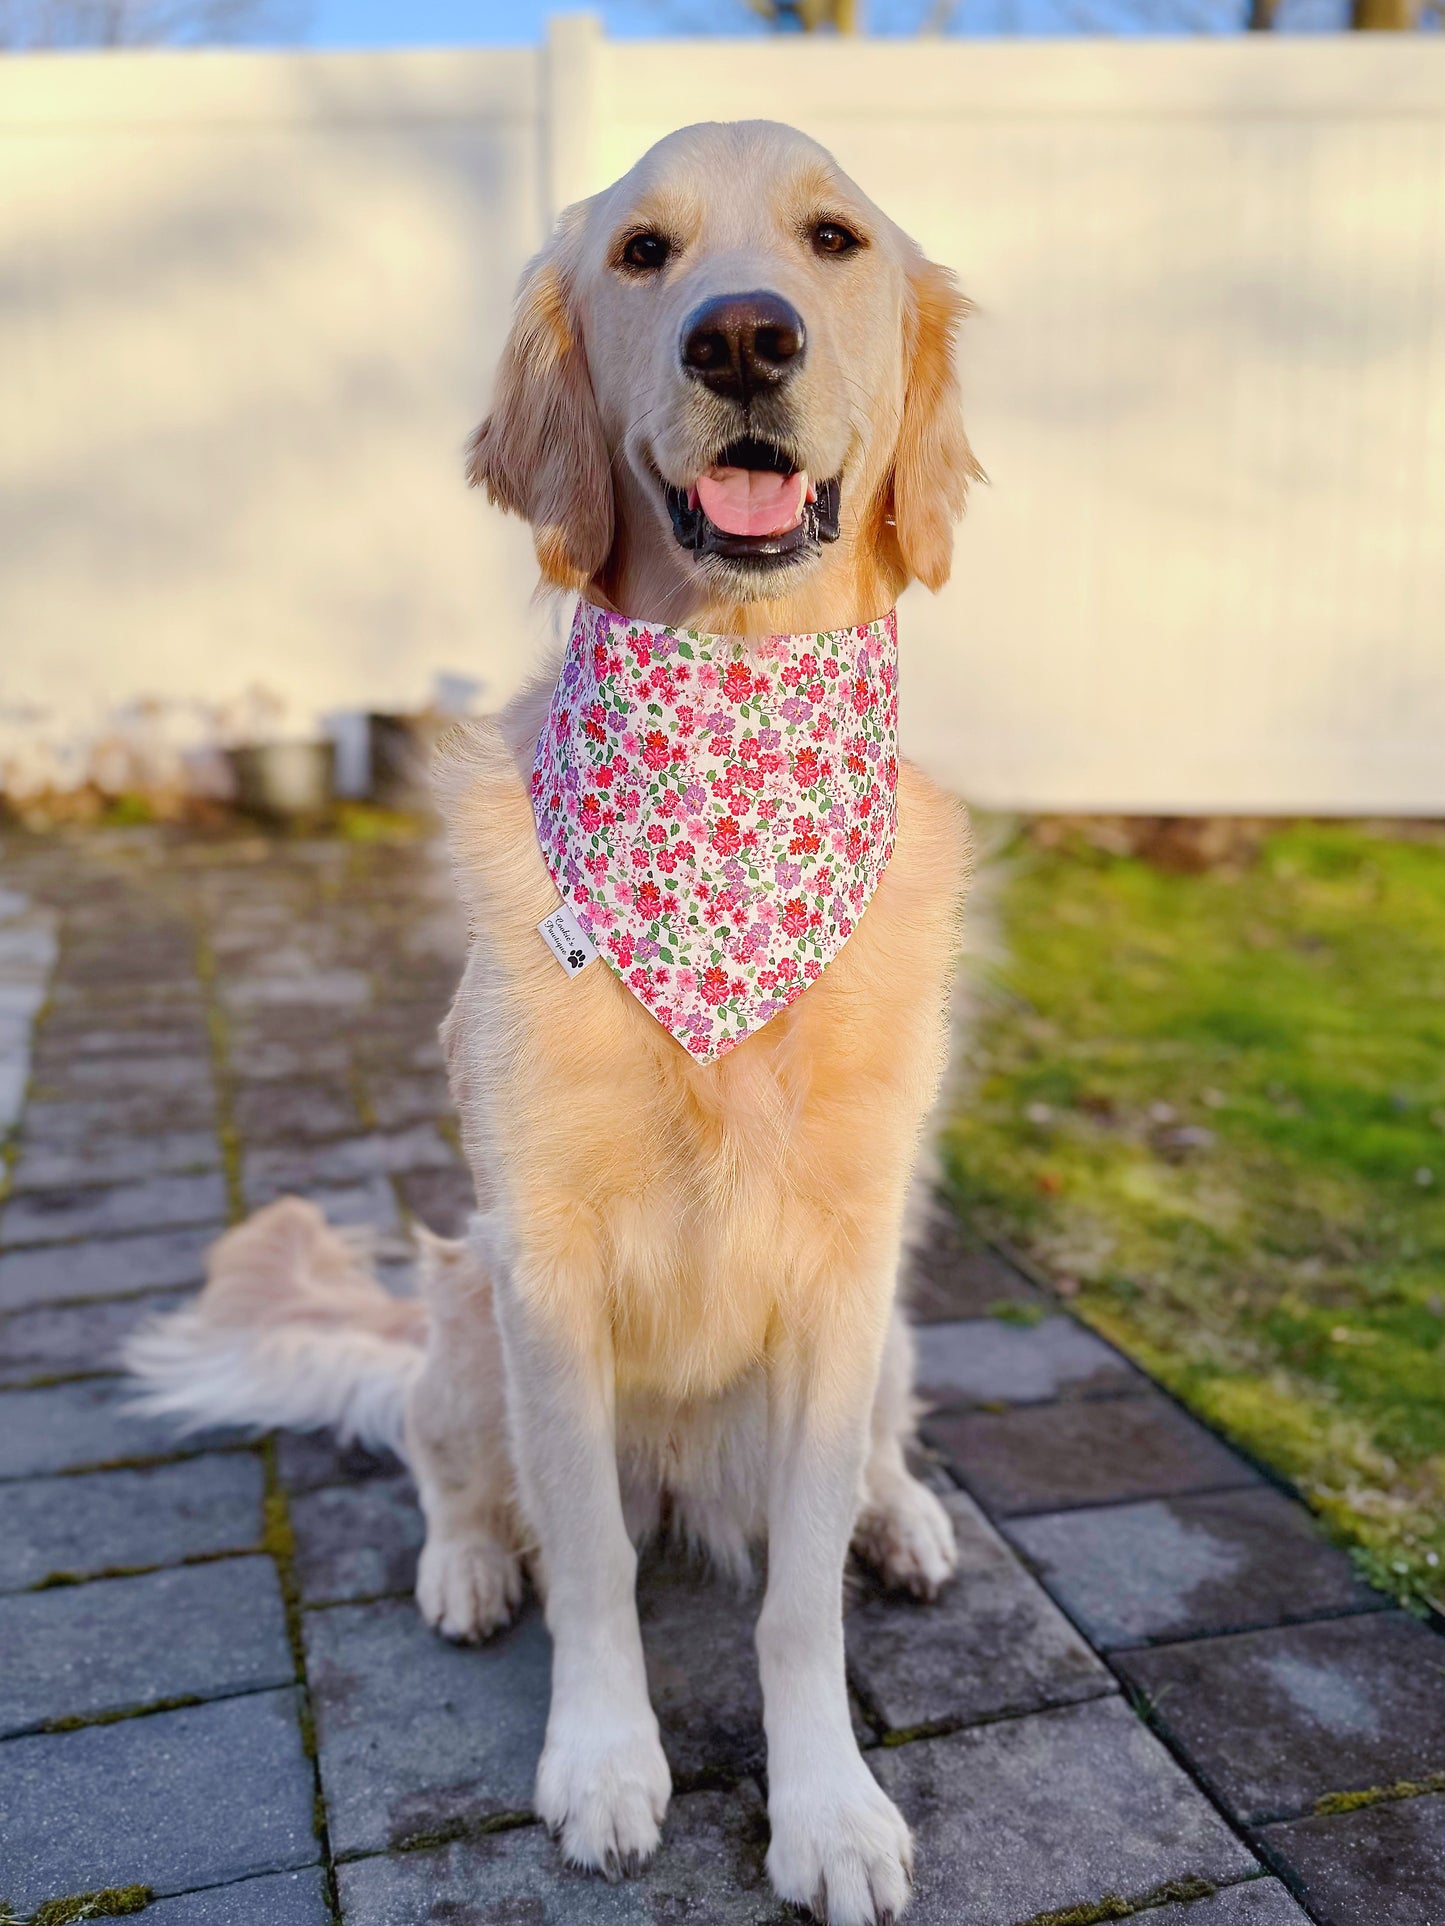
{"x": 1011, "y": 1311}
{"x": 78, "y": 1721}
{"x": 1336, "y": 1802}
{"x": 113, "y": 1902}
{"x": 1111, "y": 1906}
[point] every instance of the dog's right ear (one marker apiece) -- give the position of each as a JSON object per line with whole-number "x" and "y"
{"x": 540, "y": 452}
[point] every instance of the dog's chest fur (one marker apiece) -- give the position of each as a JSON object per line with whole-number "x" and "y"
{"x": 703, "y": 1211}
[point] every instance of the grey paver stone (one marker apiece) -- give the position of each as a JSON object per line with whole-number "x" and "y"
{"x": 307, "y": 1461}
{"x": 983, "y": 1359}
{"x": 709, "y": 1872}
{"x": 1258, "y": 1902}
{"x": 417, "y": 1735}
{"x": 1059, "y": 1809}
{"x": 1274, "y": 1720}
{"x": 357, "y": 1541}
{"x": 181, "y": 1799}
{"x": 71, "y": 1340}
{"x": 79, "y": 1035}
{"x": 108, "y": 1267}
{"x": 371, "y": 1204}
{"x": 702, "y": 1668}
{"x": 1085, "y": 1451}
{"x": 51, "y": 1216}
{"x": 199, "y": 1631}
{"x": 993, "y": 1643}
{"x": 443, "y": 1199}
{"x": 122, "y": 1001}
{"x": 105, "y": 1077}
{"x": 67, "y": 1426}
{"x": 277, "y": 1899}
{"x": 397, "y": 1101}
{"x": 1382, "y": 1865}
{"x": 115, "y": 1520}
{"x": 78, "y": 1124}
{"x": 332, "y": 989}
{"x": 121, "y": 1159}
{"x": 272, "y": 1060}
{"x": 287, "y": 1113}
{"x": 949, "y": 1273}
{"x": 1174, "y": 1567}
{"x": 411, "y": 1049}
{"x": 352, "y": 1160}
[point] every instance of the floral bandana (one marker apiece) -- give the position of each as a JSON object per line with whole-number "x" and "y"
{"x": 716, "y": 814}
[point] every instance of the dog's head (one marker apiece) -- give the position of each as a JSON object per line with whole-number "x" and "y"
{"x": 730, "y": 382}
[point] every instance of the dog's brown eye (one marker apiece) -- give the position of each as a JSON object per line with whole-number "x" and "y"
{"x": 646, "y": 252}
{"x": 831, "y": 237}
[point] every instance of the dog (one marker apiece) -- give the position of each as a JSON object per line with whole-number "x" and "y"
{"x": 728, "y": 406}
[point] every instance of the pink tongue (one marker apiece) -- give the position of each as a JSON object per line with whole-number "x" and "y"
{"x": 752, "y": 501}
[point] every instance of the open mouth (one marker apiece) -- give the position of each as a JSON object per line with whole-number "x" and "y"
{"x": 753, "y": 504}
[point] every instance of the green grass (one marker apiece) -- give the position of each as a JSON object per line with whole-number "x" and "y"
{"x": 1213, "y": 1106}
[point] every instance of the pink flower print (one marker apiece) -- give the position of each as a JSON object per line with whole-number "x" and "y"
{"x": 590, "y": 813}
{"x": 707, "y": 677}
{"x": 726, "y": 836}
{"x": 737, "y": 682}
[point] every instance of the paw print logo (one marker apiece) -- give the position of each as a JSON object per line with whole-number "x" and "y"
{"x": 575, "y": 959}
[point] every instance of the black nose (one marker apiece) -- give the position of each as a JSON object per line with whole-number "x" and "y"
{"x": 736, "y": 344}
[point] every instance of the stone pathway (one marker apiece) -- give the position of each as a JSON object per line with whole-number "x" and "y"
{"x": 1153, "y": 1691}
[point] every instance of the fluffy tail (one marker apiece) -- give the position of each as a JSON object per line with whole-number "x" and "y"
{"x": 291, "y": 1330}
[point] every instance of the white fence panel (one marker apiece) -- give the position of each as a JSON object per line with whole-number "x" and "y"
{"x": 250, "y": 305}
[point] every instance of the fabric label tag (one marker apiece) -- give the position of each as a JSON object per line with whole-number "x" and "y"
{"x": 567, "y": 940}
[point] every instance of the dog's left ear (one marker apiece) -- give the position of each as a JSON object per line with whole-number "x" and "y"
{"x": 540, "y": 453}
{"x": 932, "y": 463}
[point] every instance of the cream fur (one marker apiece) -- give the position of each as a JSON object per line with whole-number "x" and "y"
{"x": 677, "y": 1298}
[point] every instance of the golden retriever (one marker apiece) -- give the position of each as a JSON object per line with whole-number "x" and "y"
{"x": 676, "y": 1303}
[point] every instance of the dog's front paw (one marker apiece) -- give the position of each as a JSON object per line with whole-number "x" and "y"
{"x": 467, "y": 1588}
{"x": 908, "y": 1538}
{"x": 840, "y": 1848}
{"x": 603, "y": 1791}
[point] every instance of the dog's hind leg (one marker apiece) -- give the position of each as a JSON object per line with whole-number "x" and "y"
{"x": 469, "y": 1579}
{"x": 902, "y": 1529}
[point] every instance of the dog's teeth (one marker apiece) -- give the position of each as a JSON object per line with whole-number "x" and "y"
{"x": 812, "y": 494}
{"x": 692, "y": 498}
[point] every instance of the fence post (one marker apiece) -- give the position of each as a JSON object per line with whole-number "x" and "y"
{"x": 571, "y": 93}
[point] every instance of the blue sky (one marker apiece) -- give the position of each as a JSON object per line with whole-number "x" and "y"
{"x": 430, "y": 23}
{"x": 422, "y": 23}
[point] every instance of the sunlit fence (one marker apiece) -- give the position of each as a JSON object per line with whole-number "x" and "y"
{"x": 250, "y": 303}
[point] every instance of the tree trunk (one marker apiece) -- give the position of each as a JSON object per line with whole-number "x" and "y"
{"x": 1371, "y": 16}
